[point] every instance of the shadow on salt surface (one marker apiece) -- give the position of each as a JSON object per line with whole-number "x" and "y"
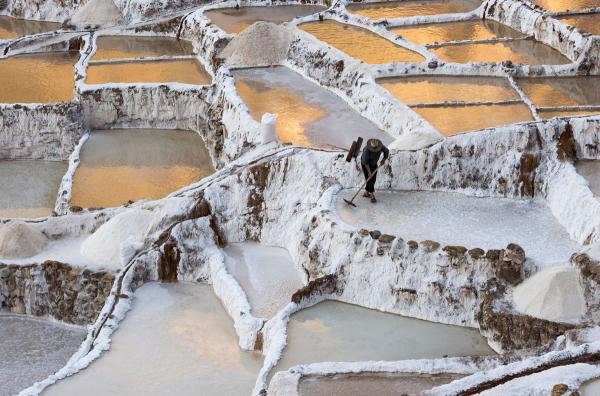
{"x": 178, "y": 340}
{"x": 457, "y": 219}
{"x": 266, "y": 274}
{"x": 590, "y": 170}
{"x": 31, "y": 349}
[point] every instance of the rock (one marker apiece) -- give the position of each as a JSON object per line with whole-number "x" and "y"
{"x": 375, "y": 234}
{"x": 559, "y": 389}
{"x": 412, "y": 245}
{"x": 493, "y": 254}
{"x": 455, "y": 251}
{"x": 76, "y": 209}
{"x": 20, "y": 240}
{"x": 514, "y": 253}
{"x": 363, "y": 232}
{"x": 386, "y": 238}
{"x": 320, "y": 286}
{"x": 432, "y": 65}
{"x": 430, "y": 246}
{"x": 476, "y": 253}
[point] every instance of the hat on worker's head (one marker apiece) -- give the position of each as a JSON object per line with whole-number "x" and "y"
{"x": 374, "y": 145}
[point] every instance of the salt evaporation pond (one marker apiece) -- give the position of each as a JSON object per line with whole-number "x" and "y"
{"x": 562, "y": 91}
{"x": 337, "y": 332}
{"x": 234, "y": 20}
{"x": 529, "y": 52}
{"x": 308, "y": 114}
{"x": 187, "y": 71}
{"x": 38, "y": 78}
{"x": 31, "y": 349}
{"x": 399, "y": 9}
{"x": 437, "y": 89}
{"x": 11, "y": 28}
{"x": 547, "y": 114}
{"x": 373, "y": 49}
{"x": 379, "y": 384}
{"x": 119, "y": 47}
{"x": 590, "y": 388}
{"x": 589, "y": 23}
{"x": 590, "y": 169}
{"x": 456, "y": 31}
{"x": 29, "y": 188}
{"x": 565, "y": 5}
{"x": 132, "y": 164}
{"x": 177, "y": 340}
{"x": 457, "y": 219}
{"x": 267, "y": 276}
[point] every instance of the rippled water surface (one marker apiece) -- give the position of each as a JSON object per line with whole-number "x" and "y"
{"x": 399, "y": 9}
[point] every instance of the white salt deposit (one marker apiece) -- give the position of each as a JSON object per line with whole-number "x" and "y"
{"x": 415, "y": 141}
{"x": 554, "y": 293}
{"x": 98, "y": 12}
{"x": 66, "y": 250}
{"x": 20, "y": 240}
{"x": 110, "y": 243}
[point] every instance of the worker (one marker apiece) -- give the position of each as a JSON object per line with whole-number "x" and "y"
{"x": 369, "y": 163}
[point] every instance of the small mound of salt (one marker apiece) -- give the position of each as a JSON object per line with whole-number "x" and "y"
{"x": 98, "y": 12}
{"x": 123, "y": 231}
{"x": 20, "y": 240}
{"x": 261, "y": 44}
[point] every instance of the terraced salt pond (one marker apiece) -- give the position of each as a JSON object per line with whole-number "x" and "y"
{"x": 187, "y": 71}
{"x": 590, "y": 388}
{"x": 455, "y": 31}
{"x": 11, "y": 28}
{"x": 119, "y": 47}
{"x": 590, "y": 169}
{"x": 177, "y": 339}
{"x": 400, "y": 9}
{"x": 563, "y": 91}
{"x": 32, "y": 349}
{"x": 374, "y": 49}
{"x": 308, "y": 115}
{"x": 547, "y": 114}
{"x": 38, "y": 78}
{"x": 589, "y": 23}
{"x": 29, "y": 188}
{"x": 487, "y": 223}
{"x": 234, "y": 20}
{"x": 133, "y": 164}
{"x": 267, "y": 276}
{"x": 565, "y": 5}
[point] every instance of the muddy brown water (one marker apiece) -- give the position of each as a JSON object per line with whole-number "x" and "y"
{"x": 399, "y": 9}
{"x": 133, "y": 164}
{"x": 373, "y": 49}
{"x": 118, "y": 47}
{"x": 234, "y": 20}
{"x": 564, "y": 91}
{"x": 529, "y": 52}
{"x": 188, "y": 71}
{"x": 564, "y": 5}
{"x": 455, "y": 31}
{"x": 11, "y": 28}
{"x": 589, "y": 23}
{"x": 38, "y": 78}
{"x": 436, "y": 89}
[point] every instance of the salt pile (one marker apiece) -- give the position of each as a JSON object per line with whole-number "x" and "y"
{"x": 262, "y": 44}
{"x": 113, "y": 240}
{"x": 552, "y": 294}
{"x": 20, "y": 240}
{"x": 98, "y": 12}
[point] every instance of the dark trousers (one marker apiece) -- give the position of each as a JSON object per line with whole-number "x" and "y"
{"x": 370, "y": 187}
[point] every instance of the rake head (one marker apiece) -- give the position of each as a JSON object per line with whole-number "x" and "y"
{"x": 349, "y": 202}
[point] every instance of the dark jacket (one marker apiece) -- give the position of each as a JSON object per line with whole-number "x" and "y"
{"x": 371, "y": 159}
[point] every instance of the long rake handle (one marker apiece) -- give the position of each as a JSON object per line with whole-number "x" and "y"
{"x": 365, "y": 183}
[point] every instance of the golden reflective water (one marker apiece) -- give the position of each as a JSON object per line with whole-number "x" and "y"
{"x": 452, "y": 120}
{"x": 566, "y": 91}
{"x": 435, "y": 89}
{"x": 115, "y": 47}
{"x": 39, "y": 78}
{"x": 589, "y": 23}
{"x": 187, "y": 71}
{"x": 454, "y": 31}
{"x": 546, "y": 115}
{"x": 133, "y": 164}
{"x": 529, "y": 52}
{"x": 372, "y": 49}
{"x": 234, "y": 21}
{"x": 12, "y": 27}
{"x": 29, "y": 188}
{"x": 399, "y": 9}
{"x": 563, "y": 5}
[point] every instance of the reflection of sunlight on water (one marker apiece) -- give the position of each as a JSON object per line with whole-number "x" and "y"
{"x": 187, "y": 71}
{"x": 397, "y": 9}
{"x": 588, "y": 23}
{"x": 563, "y": 5}
{"x": 113, "y": 47}
{"x": 454, "y": 31}
{"x": 567, "y": 91}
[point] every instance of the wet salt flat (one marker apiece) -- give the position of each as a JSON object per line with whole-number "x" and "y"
{"x": 188, "y": 71}
{"x": 65, "y": 250}
{"x": 590, "y": 170}
{"x": 38, "y": 78}
{"x": 455, "y": 31}
{"x": 308, "y": 115}
{"x": 437, "y": 89}
{"x": 337, "y": 332}
{"x": 564, "y": 5}
{"x": 374, "y": 49}
{"x": 12, "y": 27}
{"x": 456, "y": 219}
{"x": 116, "y": 47}
{"x": 456, "y": 119}
{"x": 529, "y": 52}
{"x": 178, "y": 340}
{"x": 589, "y": 23}
{"x": 590, "y": 388}
{"x": 234, "y": 20}
{"x": 372, "y": 384}
{"x": 133, "y": 164}
{"x": 399, "y": 9}
{"x": 29, "y": 188}
{"x": 565, "y": 91}
{"x": 267, "y": 276}
{"x": 31, "y": 349}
